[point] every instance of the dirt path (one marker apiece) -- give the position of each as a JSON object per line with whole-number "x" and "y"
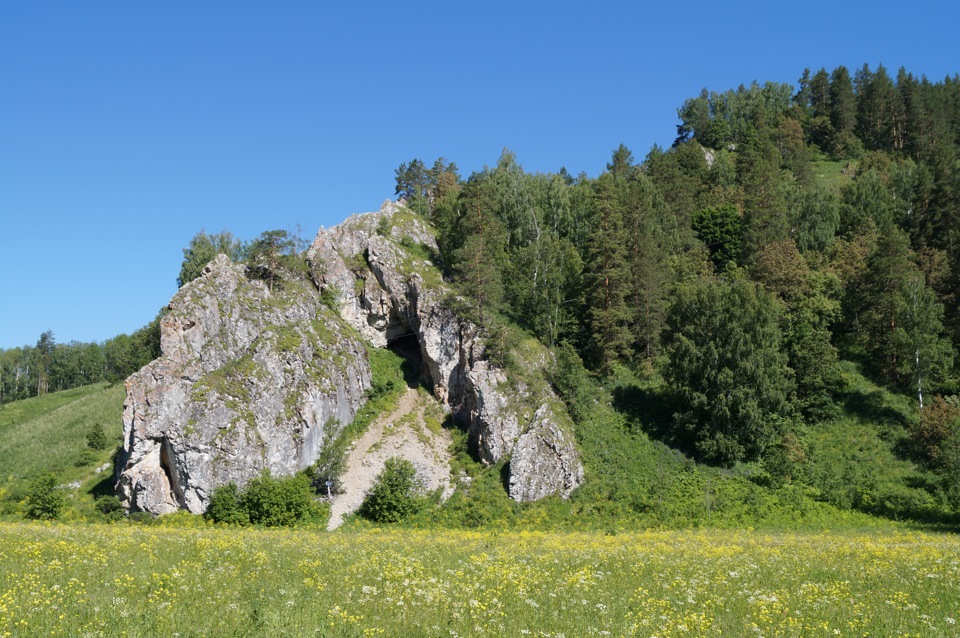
{"x": 402, "y": 433}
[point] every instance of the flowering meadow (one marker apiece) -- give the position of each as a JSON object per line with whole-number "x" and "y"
{"x": 126, "y": 580}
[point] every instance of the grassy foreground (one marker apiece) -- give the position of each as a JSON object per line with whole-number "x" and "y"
{"x": 91, "y": 580}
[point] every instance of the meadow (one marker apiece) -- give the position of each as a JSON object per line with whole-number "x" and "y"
{"x": 126, "y": 580}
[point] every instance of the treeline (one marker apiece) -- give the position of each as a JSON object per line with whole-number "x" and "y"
{"x": 48, "y": 366}
{"x": 783, "y": 231}
{"x": 266, "y": 257}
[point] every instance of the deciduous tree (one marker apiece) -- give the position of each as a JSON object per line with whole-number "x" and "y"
{"x": 727, "y": 365}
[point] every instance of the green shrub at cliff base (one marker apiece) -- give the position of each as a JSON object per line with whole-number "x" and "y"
{"x": 110, "y": 507}
{"x": 226, "y": 506}
{"x": 274, "y": 502}
{"x": 392, "y": 498}
{"x": 45, "y": 500}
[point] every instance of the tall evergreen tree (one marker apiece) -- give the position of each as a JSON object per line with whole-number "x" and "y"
{"x": 758, "y": 171}
{"x": 896, "y": 319}
{"x": 608, "y": 280}
{"x": 843, "y": 102}
{"x": 648, "y": 248}
{"x": 879, "y": 110}
{"x": 478, "y": 261}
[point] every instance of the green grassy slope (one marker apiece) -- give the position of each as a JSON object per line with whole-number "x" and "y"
{"x": 49, "y": 434}
{"x": 863, "y": 460}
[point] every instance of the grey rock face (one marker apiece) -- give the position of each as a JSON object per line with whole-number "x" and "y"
{"x": 405, "y": 295}
{"x": 249, "y": 380}
{"x": 252, "y": 379}
{"x": 540, "y": 463}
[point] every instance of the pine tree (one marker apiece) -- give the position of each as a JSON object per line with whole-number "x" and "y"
{"x": 879, "y": 110}
{"x": 843, "y": 102}
{"x": 477, "y": 263}
{"x": 608, "y": 280}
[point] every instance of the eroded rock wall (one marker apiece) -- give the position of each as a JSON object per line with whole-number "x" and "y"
{"x": 249, "y": 380}
{"x": 388, "y": 288}
{"x": 253, "y": 379}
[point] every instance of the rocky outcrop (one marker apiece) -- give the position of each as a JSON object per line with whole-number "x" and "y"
{"x": 253, "y": 379}
{"x": 378, "y": 266}
{"x": 249, "y": 380}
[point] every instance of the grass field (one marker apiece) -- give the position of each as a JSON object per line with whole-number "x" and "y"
{"x": 90, "y": 580}
{"x": 49, "y": 434}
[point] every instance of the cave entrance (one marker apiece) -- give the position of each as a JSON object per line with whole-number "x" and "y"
{"x": 166, "y": 464}
{"x": 408, "y": 346}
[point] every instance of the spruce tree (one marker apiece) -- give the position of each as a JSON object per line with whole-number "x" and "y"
{"x": 608, "y": 280}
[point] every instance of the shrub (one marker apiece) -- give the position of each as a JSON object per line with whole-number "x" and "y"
{"x": 939, "y": 421}
{"x": 86, "y": 457}
{"x": 46, "y": 501}
{"x": 97, "y": 438}
{"x": 273, "y": 501}
{"x": 226, "y": 506}
{"x": 144, "y": 518}
{"x": 110, "y": 507}
{"x": 569, "y": 378}
{"x": 392, "y": 498}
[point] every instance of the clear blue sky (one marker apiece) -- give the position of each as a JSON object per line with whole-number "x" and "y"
{"x": 126, "y": 127}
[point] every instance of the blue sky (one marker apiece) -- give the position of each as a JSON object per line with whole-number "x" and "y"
{"x": 127, "y": 127}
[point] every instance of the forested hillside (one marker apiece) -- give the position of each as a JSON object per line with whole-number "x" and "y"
{"x": 790, "y": 238}
{"x": 48, "y": 366}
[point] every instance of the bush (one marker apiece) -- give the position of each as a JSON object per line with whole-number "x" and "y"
{"x": 273, "y": 501}
{"x": 46, "y": 501}
{"x": 97, "y": 438}
{"x": 226, "y": 506}
{"x": 110, "y": 507}
{"x": 392, "y": 498}
{"x": 939, "y": 421}
{"x": 267, "y": 500}
{"x": 86, "y": 457}
{"x": 144, "y": 518}
{"x": 569, "y": 378}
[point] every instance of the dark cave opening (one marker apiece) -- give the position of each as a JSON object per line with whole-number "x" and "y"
{"x": 166, "y": 464}
{"x": 408, "y": 347}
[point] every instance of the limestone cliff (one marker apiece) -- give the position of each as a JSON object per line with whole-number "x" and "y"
{"x": 378, "y": 265}
{"x": 252, "y": 379}
{"x": 249, "y": 380}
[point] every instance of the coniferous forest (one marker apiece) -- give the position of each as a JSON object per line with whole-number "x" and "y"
{"x": 790, "y": 240}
